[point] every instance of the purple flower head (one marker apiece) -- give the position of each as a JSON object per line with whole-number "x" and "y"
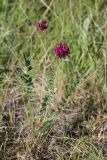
{"x": 43, "y": 25}
{"x": 62, "y": 50}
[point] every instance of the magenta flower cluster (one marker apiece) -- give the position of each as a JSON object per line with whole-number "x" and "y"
{"x": 43, "y": 25}
{"x": 62, "y": 50}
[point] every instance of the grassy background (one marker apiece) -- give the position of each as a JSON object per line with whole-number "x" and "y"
{"x": 53, "y": 108}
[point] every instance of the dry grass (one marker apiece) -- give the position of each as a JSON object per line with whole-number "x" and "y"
{"x": 27, "y": 134}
